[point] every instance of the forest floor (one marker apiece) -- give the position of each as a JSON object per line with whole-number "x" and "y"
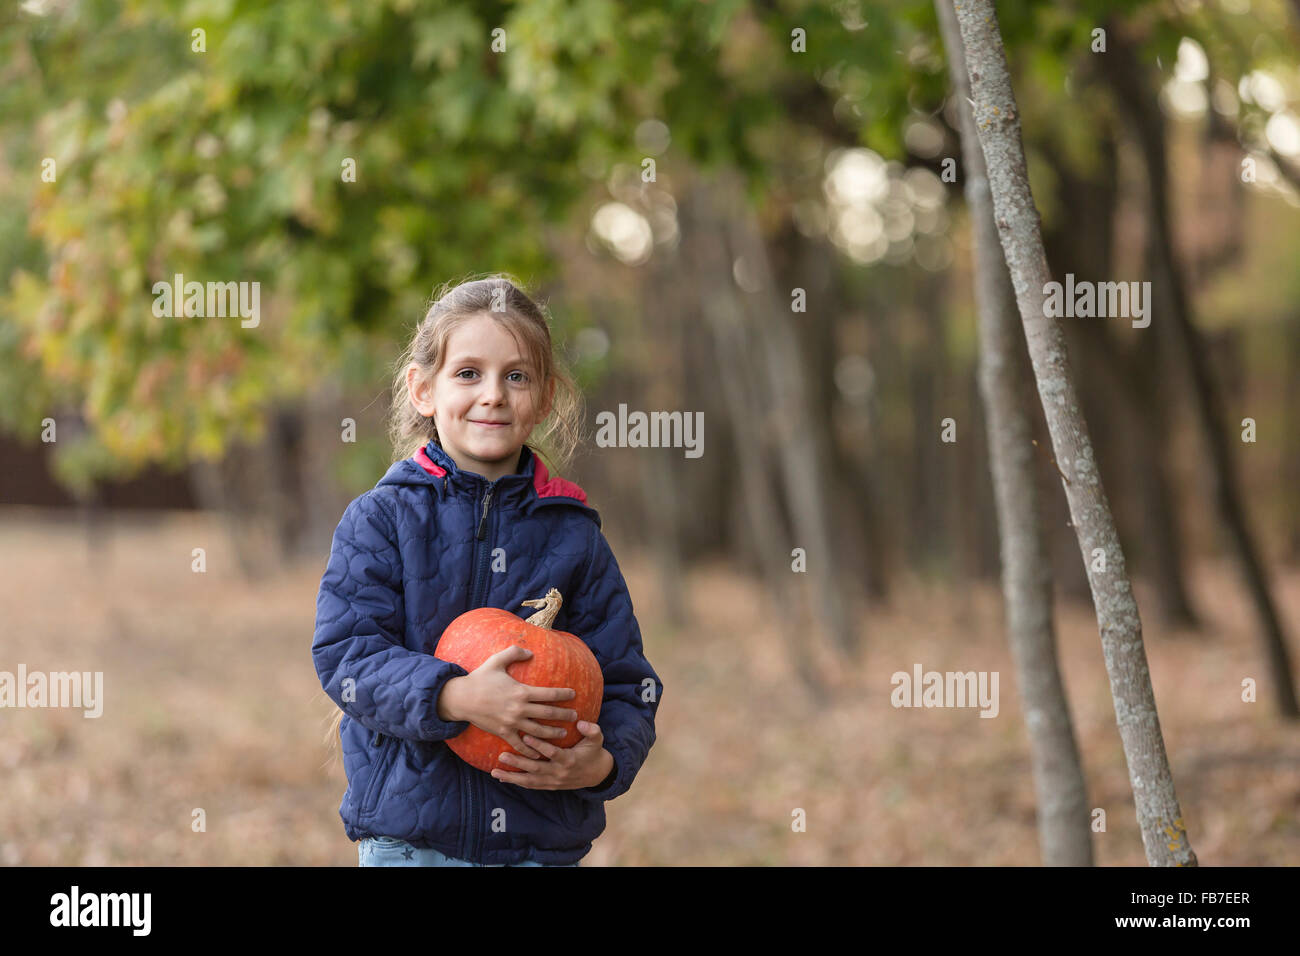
{"x": 211, "y": 703}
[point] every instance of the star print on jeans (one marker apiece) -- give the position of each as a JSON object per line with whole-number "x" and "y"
{"x": 406, "y": 854}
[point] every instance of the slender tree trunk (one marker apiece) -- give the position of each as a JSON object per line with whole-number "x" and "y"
{"x": 1063, "y": 822}
{"x": 1132, "y": 402}
{"x": 660, "y": 500}
{"x": 212, "y": 484}
{"x": 975, "y": 499}
{"x": 703, "y": 247}
{"x": 1137, "y": 98}
{"x": 867, "y": 487}
{"x": 811, "y": 264}
{"x": 801, "y": 449}
{"x": 281, "y": 451}
{"x": 711, "y": 477}
{"x": 931, "y": 457}
{"x": 1291, "y": 443}
{"x": 660, "y": 489}
{"x": 323, "y": 499}
{"x": 1164, "y": 835}
{"x": 1161, "y": 533}
{"x": 875, "y": 467}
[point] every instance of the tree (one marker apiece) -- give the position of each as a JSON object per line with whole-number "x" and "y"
{"x": 750, "y": 409}
{"x": 1063, "y": 830}
{"x": 1164, "y": 834}
{"x": 1136, "y": 98}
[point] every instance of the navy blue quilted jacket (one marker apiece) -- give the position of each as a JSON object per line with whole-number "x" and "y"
{"x": 423, "y": 546}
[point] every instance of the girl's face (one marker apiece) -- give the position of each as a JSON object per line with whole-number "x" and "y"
{"x": 481, "y": 398}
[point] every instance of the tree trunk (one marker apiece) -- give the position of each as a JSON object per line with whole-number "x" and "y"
{"x": 1162, "y": 538}
{"x": 800, "y": 440}
{"x": 1291, "y": 443}
{"x": 1128, "y": 412}
{"x": 1137, "y": 98}
{"x": 323, "y": 499}
{"x": 1164, "y": 835}
{"x": 703, "y": 248}
{"x": 811, "y": 265}
{"x": 932, "y": 458}
{"x": 978, "y": 511}
{"x": 211, "y": 482}
{"x": 660, "y": 487}
{"x": 1063, "y": 822}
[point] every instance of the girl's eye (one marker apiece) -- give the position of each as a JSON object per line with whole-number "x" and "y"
{"x": 523, "y": 377}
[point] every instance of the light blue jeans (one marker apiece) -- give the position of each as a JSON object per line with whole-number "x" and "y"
{"x": 390, "y": 851}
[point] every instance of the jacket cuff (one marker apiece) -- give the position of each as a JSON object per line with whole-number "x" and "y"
{"x": 439, "y": 729}
{"x": 609, "y": 777}
{"x": 434, "y": 728}
{"x": 611, "y": 786}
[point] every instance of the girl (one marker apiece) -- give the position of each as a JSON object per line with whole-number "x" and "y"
{"x": 474, "y": 519}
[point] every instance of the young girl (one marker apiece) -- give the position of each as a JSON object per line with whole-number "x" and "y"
{"x": 473, "y": 519}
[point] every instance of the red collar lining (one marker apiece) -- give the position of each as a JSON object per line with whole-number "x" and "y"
{"x": 545, "y": 485}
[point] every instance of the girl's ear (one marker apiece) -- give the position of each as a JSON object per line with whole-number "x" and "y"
{"x": 548, "y": 400}
{"x": 420, "y": 392}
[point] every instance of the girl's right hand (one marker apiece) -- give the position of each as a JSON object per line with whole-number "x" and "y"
{"x": 495, "y": 702}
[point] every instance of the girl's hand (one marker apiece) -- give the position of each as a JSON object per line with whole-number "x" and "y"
{"x": 585, "y": 764}
{"x": 493, "y": 701}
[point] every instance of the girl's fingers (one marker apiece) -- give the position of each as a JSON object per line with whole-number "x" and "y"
{"x": 548, "y": 750}
{"x": 533, "y": 725}
{"x": 538, "y": 694}
{"x": 523, "y": 748}
{"x": 510, "y": 654}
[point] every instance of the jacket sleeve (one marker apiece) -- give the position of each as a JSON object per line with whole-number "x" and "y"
{"x": 359, "y": 649}
{"x": 601, "y": 614}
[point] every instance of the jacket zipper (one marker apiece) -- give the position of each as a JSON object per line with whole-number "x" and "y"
{"x": 482, "y": 522}
{"x": 461, "y": 769}
{"x": 478, "y": 596}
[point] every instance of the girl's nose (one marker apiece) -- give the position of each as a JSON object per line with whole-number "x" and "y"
{"x": 494, "y": 390}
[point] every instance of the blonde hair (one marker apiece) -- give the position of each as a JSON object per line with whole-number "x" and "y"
{"x": 501, "y": 298}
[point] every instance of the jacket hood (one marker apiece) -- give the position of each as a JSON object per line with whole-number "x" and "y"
{"x": 529, "y": 486}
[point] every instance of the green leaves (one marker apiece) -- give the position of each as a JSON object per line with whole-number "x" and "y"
{"x": 228, "y": 166}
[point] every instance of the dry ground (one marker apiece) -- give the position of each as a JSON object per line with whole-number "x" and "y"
{"x": 211, "y": 702}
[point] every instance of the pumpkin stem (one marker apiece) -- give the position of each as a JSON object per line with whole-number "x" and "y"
{"x": 550, "y": 606}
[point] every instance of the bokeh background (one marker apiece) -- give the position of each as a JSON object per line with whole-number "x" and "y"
{"x": 662, "y": 176}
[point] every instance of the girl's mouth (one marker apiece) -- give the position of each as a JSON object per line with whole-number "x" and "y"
{"x": 490, "y": 424}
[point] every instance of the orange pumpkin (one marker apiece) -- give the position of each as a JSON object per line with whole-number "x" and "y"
{"x": 559, "y": 660}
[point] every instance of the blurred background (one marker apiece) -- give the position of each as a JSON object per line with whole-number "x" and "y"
{"x": 752, "y": 211}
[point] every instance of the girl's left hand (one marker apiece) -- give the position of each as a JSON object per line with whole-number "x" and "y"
{"x": 564, "y": 768}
